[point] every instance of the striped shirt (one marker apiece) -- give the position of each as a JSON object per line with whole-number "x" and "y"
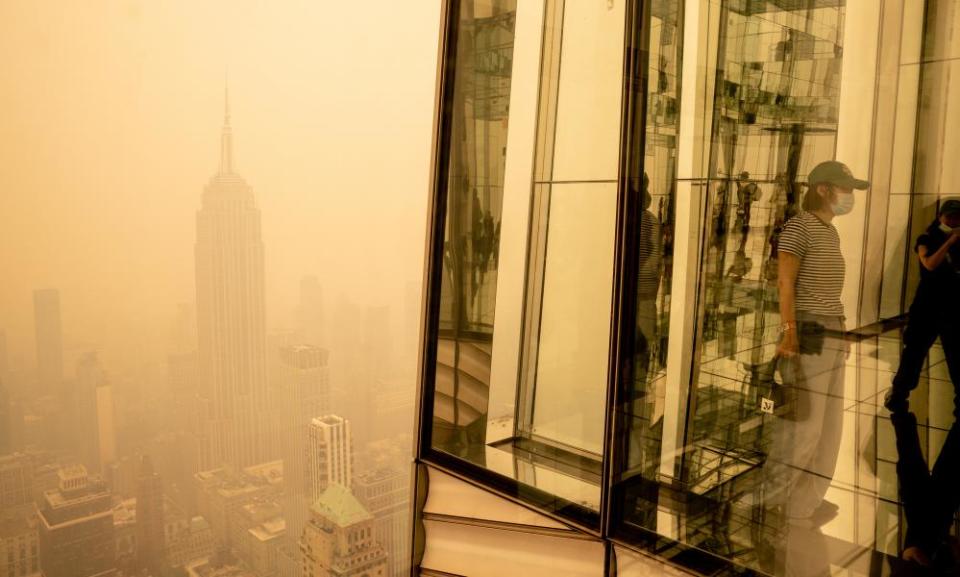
{"x": 820, "y": 278}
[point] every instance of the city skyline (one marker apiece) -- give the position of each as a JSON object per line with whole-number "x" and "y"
{"x": 259, "y": 416}
{"x": 119, "y": 228}
{"x": 154, "y": 407}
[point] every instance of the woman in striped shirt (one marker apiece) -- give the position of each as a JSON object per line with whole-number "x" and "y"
{"x": 803, "y": 457}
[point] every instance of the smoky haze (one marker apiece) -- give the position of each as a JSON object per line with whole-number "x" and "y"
{"x": 110, "y": 130}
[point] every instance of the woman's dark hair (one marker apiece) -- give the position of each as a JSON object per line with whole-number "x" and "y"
{"x": 812, "y": 200}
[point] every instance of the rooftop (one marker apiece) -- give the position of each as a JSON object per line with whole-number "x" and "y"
{"x": 338, "y": 505}
{"x": 269, "y": 530}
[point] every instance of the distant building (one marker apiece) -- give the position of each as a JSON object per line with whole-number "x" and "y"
{"x": 49, "y": 340}
{"x": 222, "y": 493}
{"x": 125, "y": 535}
{"x": 329, "y": 454}
{"x": 150, "y": 534}
{"x": 263, "y": 545}
{"x": 19, "y": 542}
{"x": 121, "y": 477}
{"x": 338, "y": 541}
{"x": 187, "y": 540}
{"x": 288, "y": 557}
{"x": 94, "y": 435}
{"x": 233, "y": 428}
{"x": 207, "y": 568}
{"x": 16, "y": 480}
{"x": 303, "y": 393}
{"x": 385, "y": 493}
{"x": 76, "y": 527}
{"x": 260, "y": 517}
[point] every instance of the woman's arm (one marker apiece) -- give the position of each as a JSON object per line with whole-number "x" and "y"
{"x": 789, "y": 268}
{"x": 932, "y": 261}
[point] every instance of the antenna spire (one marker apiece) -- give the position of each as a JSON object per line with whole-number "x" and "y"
{"x": 226, "y": 135}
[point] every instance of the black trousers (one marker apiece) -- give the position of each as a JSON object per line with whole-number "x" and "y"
{"x": 923, "y": 327}
{"x": 930, "y": 499}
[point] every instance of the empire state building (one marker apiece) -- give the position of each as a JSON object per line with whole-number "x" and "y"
{"x": 233, "y": 429}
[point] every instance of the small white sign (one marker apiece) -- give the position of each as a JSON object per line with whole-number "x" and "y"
{"x": 766, "y": 406}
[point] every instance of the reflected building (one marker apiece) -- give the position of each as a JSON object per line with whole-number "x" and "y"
{"x": 230, "y": 320}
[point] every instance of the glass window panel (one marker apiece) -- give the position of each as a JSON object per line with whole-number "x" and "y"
{"x": 546, "y": 430}
{"x": 816, "y": 487}
{"x": 478, "y": 109}
{"x": 572, "y": 349}
{"x": 587, "y": 139}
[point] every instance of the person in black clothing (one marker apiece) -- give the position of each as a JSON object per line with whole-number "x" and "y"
{"x": 935, "y": 311}
{"x": 930, "y": 499}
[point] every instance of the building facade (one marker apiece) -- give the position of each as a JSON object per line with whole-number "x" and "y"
{"x": 338, "y": 541}
{"x": 16, "y": 480}
{"x": 615, "y": 184}
{"x": 302, "y": 395}
{"x": 385, "y": 493}
{"x": 329, "y": 454}
{"x": 19, "y": 542}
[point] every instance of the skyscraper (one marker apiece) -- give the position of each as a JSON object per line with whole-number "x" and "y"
{"x": 329, "y": 454}
{"x": 302, "y": 394}
{"x": 49, "y": 338}
{"x": 92, "y": 406}
{"x": 150, "y": 528}
{"x": 230, "y": 319}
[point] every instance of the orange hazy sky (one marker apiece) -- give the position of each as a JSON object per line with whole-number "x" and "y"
{"x": 110, "y": 116}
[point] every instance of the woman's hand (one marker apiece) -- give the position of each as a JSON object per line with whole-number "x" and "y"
{"x": 789, "y": 344}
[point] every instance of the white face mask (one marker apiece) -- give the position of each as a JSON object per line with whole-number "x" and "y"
{"x": 946, "y": 228}
{"x": 844, "y": 204}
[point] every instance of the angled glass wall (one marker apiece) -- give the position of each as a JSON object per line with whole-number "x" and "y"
{"x": 666, "y": 374}
{"x": 530, "y": 218}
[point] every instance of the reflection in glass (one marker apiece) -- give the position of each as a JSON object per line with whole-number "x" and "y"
{"x": 479, "y": 109}
{"x": 546, "y": 429}
{"x": 651, "y": 185}
{"x": 775, "y": 116}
